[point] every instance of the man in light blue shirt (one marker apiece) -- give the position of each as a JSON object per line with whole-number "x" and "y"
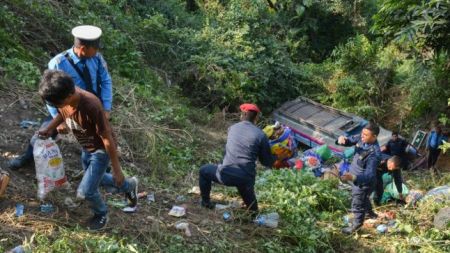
{"x": 435, "y": 139}
{"x": 87, "y": 68}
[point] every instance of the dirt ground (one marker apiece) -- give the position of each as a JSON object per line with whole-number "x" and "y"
{"x": 150, "y": 221}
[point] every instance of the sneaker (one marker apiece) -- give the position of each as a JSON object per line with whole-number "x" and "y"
{"x": 19, "y": 162}
{"x": 208, "y": 204}
{"x": 98, "y": 222}
{"x": 132, "y": 195}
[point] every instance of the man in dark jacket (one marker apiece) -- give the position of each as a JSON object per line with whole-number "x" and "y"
{"x": 245, "y": 144}
{"x": 362, "y": 172}
{"x": 396, "y": 146}
{"x": 393, "y": 167}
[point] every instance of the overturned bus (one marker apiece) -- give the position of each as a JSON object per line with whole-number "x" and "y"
{"x": 314, "y": 124}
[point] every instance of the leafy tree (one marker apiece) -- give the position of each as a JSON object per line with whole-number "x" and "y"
{"x": 423, "y": 26}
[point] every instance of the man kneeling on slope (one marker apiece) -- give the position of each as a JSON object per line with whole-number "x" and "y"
{"x": 245, "y": 143}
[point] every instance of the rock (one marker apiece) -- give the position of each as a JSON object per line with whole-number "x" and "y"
{"x": 442, "y": 218}
{"x": 23, "y": 104}
{"x": 183, "y": 226}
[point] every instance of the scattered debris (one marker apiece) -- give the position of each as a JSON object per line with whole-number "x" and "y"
{"x": 194, "y": 190}
{"x": 220, "y": 207}
{"x": 129, "y": 209}
{"x": 177, "y": 211}
{"x": 235, "y": 204}
{"x": 151, "y": 197}
{"x": 370, "y": 223}
{"x": 226, "y": 216}
{"x": 142, "y": 195}
{"x": 389, "y": 215}
{"x": 19, "y": 209}
{"x": 413, "y": 197}
{"x": 180, "y": 198}
{"x": 23, "y": 104}
{"x": 268, "y": 220}
{"x": 49, "y": 166}
{"x": 47, "y": 208}
{"x": 17, "y": 249}
{"x": 182, "y": 225}
{"x": 382, "y": 229}
{"x": 26, "y": 124}
{"x": 348, "y": 219}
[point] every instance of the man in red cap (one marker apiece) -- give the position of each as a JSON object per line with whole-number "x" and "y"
{"x": 245, "y": 144}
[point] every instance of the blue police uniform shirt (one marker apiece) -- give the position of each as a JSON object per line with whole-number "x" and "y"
{"x": 96, "y": 66}
{"x": 365, "y": 161}
{"x": 435, "y": 140}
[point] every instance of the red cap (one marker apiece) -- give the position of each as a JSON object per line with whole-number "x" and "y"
{"x": 249, "y": 107}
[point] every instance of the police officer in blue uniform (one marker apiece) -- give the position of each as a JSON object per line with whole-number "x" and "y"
{"x": 362, "y": 173}
{"x": 88, "y": 69}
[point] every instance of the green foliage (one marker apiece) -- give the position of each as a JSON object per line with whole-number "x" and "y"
{"x": 22, "y": 71}
{"x": 445, "y": 121}
{"x": 421, "y": 23}
{"x": 360, "y": 76}
{"x": 80, "y": 241}
{"x": 416, "y": 237}
{"x": 228, "y": 52}
{"x": 302, "y": 201}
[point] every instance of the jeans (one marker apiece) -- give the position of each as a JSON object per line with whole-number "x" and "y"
{"x": 361, "y": 202}
{"x": 94, "y": 165}
{"x": 230, "y": 177}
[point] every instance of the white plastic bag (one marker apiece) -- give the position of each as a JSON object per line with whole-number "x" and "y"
{"x": 49, "y": 166}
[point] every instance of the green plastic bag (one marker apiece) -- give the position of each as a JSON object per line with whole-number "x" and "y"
{"x": 349, "y": 152}
{"x": 387, "y": 179}
{"x": 324, "y": 152}
{"x": 390, "y": 192}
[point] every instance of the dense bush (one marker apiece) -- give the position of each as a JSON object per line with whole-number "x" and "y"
{"x": 303, "y": 201}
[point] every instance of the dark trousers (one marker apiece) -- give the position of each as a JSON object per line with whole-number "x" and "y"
{"x": 379, "y": 187}
{"x": 361, "y": 202}
{"x": 433, "y": 154}
{"x": 244, "y": 182}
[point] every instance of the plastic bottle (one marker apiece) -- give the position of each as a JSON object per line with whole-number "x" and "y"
{"x": 19, "y": 209}
{"x": 348, "y": 220}
{"x": 47, "y": 208}
{"x": 151, "y": 197}
{"x": 226, "y": 216}
{"x": 268, "y": 220}
{"x": 382, "y": 229}
{"x": 18, "y": 249}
